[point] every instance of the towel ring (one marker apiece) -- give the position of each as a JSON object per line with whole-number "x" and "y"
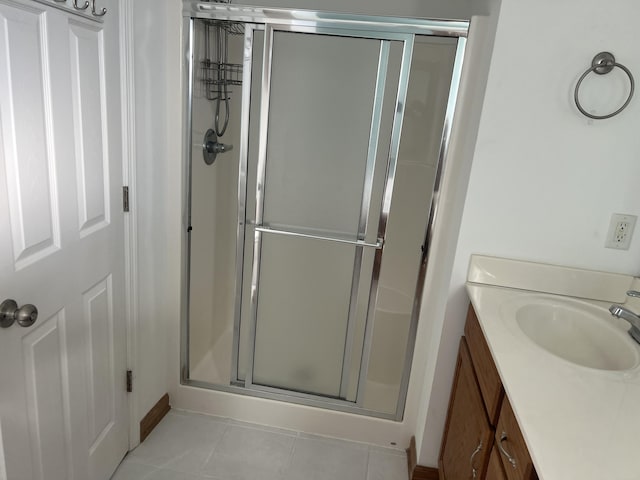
{"x": 602, "y": 64}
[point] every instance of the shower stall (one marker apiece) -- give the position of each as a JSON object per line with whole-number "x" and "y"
{"x": 315, "y": 144}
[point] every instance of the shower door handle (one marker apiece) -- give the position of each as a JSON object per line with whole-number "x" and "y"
{"x": 358, "y": 243}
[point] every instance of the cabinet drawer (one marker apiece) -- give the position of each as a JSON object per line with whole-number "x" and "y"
{"x": 513, "y": 450}
{"x": 486, "y": 372}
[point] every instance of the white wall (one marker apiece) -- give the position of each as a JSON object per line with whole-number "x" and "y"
{"x": 427, "y": 389}
{"x": 545, "y": 179}
{"x": 156, "y": 195}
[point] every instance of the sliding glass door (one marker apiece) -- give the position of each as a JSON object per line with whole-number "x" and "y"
{"x": 330, "y": 103}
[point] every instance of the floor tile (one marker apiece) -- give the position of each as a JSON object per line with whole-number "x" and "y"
{"x": 186, "y": 446}
{"x": 133, "y": 471}
{"x": 166, "y": 474}
{"x": 266, "y": 428}
{"x": 323, "y": 459}
{"x": 386, "y": 466}
{"x": 180, "y": 442}
{"x": 249, "y": 453}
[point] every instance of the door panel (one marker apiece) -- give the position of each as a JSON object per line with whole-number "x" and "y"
{"x": 98, "y": 314}
{"x": 322, "y": 184}
{"x": 302, "y": 311}
{"x": 47, "y": 395}
{"x": 87, "y": 59}
{"x": 62, "y": 401}
{"x": 27, "y": 136}
{"x": 316, "y": 164}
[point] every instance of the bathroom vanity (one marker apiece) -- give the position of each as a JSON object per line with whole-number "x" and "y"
{"x": 547, "y": 381}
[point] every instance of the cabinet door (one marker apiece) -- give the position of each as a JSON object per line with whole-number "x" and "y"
{"x": 468, "y": 437}
{"x": 494, "y": 469}
{"x": 486, "y": 371}
{"x": 513, "y": 449}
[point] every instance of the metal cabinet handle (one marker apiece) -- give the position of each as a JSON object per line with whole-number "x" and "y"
{"x": 474, "y": 472}
{"x": 503, "y": 437}
{"x": 9, "y": 313}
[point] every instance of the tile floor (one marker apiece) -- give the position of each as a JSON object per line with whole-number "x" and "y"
{"x": 187, "y": 446}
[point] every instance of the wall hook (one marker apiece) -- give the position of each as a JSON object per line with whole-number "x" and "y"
{"x": 78, "y": 7}
{"x": 94, "y": 12}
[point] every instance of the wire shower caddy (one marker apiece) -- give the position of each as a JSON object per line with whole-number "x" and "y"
{"x": 218, "y": 74}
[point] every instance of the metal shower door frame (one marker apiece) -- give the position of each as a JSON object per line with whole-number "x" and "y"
{"x": 359, "y": 243}
{"x": 386, "y": 29}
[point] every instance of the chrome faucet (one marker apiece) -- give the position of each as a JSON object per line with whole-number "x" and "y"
{"x": 626, "y": 314}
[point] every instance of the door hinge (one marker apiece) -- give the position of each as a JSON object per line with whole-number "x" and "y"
{"x": 125, "y": 199}
{"x": 129, "y": 381}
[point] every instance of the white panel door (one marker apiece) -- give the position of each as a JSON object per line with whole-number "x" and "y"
{"x": 63, "y": 406}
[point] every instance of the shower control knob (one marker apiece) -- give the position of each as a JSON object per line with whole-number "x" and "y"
{"x": 211, "y": 147}
{"x": 215, "y": 147}
{"x": 222, "y": 147}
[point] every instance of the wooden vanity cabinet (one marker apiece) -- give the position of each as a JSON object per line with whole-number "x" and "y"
{"x": 482, "y": 440}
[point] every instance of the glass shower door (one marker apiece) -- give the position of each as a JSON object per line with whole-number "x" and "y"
{"x": 320, "y": 188}
{"x": 306, "y": 245}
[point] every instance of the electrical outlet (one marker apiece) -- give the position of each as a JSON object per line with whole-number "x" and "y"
{"x": 620, "y": 231}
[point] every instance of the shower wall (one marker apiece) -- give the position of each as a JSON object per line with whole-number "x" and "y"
{"x": 214, "y": 222}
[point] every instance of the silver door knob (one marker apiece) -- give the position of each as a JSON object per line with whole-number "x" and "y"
{"x": 9, "y": 313}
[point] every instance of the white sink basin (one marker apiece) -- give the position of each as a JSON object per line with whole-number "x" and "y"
{"x": 576, "y": 331}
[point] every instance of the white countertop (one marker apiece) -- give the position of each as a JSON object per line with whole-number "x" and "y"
{"x": 578, "y": 423}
